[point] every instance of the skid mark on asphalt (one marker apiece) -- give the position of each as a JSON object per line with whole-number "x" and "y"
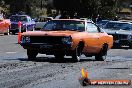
{"x": 118, "y": 58}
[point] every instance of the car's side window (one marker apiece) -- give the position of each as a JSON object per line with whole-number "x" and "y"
{"x": 29, "y": 19}
{"x": 91, "y": 28}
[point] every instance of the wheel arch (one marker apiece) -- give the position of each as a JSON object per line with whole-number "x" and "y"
{"x": 81, "y": 43}
{"x": 105, "y": 48}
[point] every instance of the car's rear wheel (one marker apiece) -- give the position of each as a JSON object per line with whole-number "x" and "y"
{"x": 13, "y": 32}
{"x": 130, "y": 46}
{"x": 8, "y": 32}
{"x": 31, "y": 54}
{"x": 77, "y": 53}
{"x": 101, "y": 56}
{"x": 59, "y": 57}
{"x": 116, "y": 45}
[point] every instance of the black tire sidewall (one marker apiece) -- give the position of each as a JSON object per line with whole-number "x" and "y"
{"x": 31, "y": 54}
{"x": 101, "y": 56}
{"x": 76, "y": 54}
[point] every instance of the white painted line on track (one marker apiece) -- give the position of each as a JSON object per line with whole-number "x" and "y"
{"x": 129, "y": 74}
{"x": 11, "y": 52}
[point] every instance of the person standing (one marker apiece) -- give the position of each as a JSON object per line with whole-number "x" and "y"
{"x": 76, "y": 16}
{"x": 98, "y": 18}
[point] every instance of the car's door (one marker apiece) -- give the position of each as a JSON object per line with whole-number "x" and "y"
{"x": 92, "y": 42}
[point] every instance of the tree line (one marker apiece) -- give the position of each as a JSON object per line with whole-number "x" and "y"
{"x": 84, "y": 8}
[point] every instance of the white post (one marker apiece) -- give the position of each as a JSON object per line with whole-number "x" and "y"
{"x": 19, "y": 26}
{"x": 26, "y": 28}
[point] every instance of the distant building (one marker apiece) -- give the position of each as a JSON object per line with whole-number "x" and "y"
{"x": 125, "y": 13}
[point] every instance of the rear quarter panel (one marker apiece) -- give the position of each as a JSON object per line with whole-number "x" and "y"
{"x": 105, "y": 38}
{"x": 110, "y": 41}
{"x": 91, "y": 45}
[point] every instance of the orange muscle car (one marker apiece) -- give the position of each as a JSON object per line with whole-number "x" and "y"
{"x": 71, "y": 37}
{"x": 4, "y": 26}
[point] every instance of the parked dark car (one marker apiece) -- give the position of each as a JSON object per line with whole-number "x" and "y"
{"x": 102, "y": 23}
{"x": 27, "y": 23}
{"x": 40, "y": 22}
{"x": 4, "y": 25}
{"x": 121, "y": 31}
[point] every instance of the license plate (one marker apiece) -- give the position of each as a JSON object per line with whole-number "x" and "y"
{"x": 45, "y": 46}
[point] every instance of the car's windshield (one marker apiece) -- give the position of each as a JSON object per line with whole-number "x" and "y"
{"x": 117, "y": 26}
{"x": 18, "y": 18}
{"x": 70, "y": 25}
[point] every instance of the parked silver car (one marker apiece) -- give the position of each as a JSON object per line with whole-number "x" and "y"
{"x": 102, "y": 23}
{"x": 40, "y": 21}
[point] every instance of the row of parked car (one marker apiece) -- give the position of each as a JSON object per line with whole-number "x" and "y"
{"x": 120, "y": 30}
{"x": 27, "y": 23}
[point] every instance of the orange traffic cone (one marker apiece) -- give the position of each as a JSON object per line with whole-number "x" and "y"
{"x": 84, "y": 80}
{"x": 19, "y": 37}
{"x": 84, "y": 74}
{"x": 19, "y": 33}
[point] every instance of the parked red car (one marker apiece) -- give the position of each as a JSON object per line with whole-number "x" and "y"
{"x": 4, "y": 26}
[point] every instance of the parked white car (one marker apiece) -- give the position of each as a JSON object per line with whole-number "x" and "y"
{"x": 40, "y": 22}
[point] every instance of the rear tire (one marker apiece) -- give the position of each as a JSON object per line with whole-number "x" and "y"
{"x": 59, "y": 57}
{"x": 77, "y": 53}
{"x": 8, "y": 32}
{"x": 130, "y": 46}
{"x": 116, "y": 45}
{"x": 101, "y": 56}
{"x": 31, "y": 54}
{"x": 13, "y": 33}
